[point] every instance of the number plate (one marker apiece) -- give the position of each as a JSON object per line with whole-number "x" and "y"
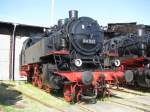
{"x": 88, "y": 41}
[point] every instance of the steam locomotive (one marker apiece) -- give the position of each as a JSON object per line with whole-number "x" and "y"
{"x": 67, "y": 57}
{"x": 131, "y": 45}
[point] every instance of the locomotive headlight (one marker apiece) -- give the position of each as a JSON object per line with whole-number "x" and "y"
{"x": 78, "y": 62}
{"x": 116, "y": 62}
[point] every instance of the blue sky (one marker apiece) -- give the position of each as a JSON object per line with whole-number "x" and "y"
{"x": 37, "y": 12}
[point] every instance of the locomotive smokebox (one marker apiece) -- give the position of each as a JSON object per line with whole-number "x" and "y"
{"x": 73, "y": 14}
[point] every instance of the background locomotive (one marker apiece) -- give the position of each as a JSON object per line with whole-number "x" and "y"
{"x": 131, "y": 45}
{"x": 66, "y": 58}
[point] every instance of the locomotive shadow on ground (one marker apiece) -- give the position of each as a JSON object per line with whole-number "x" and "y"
{"x": 137, "y": 88}
{"x": 9, "y": 96}
{"x": 115, "y": 96}
{"x": 57, "y": 94}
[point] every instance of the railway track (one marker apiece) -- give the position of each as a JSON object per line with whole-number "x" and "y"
{"x": 39, "y": 101}
{"x": 43, "y": 103}
{"x": 131, "y": 106}
{"x": 11, "y": 86}
{"x": 87, "y": 109}
{"x": 131, "y": 102}
{"x": 127, "y": 91}
{"x": 83, "y": 107}
{"x": 78, "y": 105}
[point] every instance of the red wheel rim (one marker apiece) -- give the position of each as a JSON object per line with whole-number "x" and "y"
{"x": 39, "y": 82}
{"x": 47, "y": 89}
{"x": 67, "y": 94}
{"x": 33, "y": 81}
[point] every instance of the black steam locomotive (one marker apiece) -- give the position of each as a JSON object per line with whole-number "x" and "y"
{"x": 131, "y": 44}
{"x": 66, "y": 58}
